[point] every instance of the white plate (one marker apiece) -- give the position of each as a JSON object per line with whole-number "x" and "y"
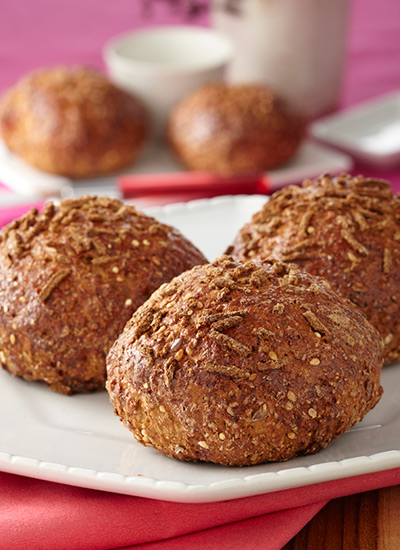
{"x": 370, "y": 132}
{"x": 78, "y": 440}
{"x": 312, "y": 160}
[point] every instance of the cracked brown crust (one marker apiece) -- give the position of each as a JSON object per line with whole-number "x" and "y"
{"x": 346, "y": 229}
{"x": 73, "y": 122}
{"x": 294, "y": 365}
{"x": 71, "y": 277}
{"x": 231, "y": 128}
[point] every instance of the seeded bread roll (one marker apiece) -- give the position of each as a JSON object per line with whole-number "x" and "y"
{"x": 230, "y": 129}
{"x": 346, "y": 229}
{"x": 71, "y": 277}
{"x": 72, "y": 122}
{"x": 240, "y": 364}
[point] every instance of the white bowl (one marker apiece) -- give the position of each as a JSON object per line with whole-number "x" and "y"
{"x": 162, "y": 65}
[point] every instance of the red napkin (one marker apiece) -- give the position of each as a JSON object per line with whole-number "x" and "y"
{"x": 41, "y": 515}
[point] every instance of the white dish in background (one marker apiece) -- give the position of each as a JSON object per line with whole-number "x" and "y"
{"x": 78, "y": 441}
{"x": 312, "y": 160}
{"x": 370, "y": 132}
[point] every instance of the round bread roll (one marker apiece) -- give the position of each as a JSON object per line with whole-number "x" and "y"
{"x": 72, "y": 122}
{"x": 231, "y": 129}
{"x": 71, "y": 277}
{"x": 240, "y": 364}
{"x": 346, "y": 229}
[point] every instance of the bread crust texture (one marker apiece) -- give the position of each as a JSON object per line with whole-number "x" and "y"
{"x": 240, "y": 364}
{"x": 72, "y": 121}
{"x": 346, "y": 229}
{"x": 234, "y": 129}
{"x": 70, "y": 278}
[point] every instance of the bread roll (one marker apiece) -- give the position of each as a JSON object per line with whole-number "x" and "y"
{"x": 346, "y": 229}
{"x": 240, "y": 364}
{"x": 231, "y": 129}
{"x": 72, "y": 121}
{"x": 71, "y": 277}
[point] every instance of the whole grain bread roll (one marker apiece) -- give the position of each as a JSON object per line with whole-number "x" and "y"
{"x": 73, "y": 122}
{"x": 240, "y": 364}
{"x": 226, "y": 129}
{"x": 71, "y": 277}
{"x": 346, "y": 229}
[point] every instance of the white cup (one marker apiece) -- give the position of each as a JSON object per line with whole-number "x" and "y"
{"x": 162, "y": 65}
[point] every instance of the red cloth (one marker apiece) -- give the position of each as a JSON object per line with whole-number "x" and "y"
{"x": 42, "y": 515}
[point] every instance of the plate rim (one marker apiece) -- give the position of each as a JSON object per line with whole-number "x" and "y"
{"x": 174, "y": 491}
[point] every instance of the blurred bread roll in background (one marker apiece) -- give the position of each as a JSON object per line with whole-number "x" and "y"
{"x": 234, "y": 128}
{"x": 72, "y": 121}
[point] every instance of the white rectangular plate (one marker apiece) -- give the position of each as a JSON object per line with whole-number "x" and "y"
{"x": 77, "y": 440}
{"x": 312, "y": 160}
{"x": 370, "y": 131}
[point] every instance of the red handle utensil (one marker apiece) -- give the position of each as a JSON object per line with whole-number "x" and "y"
{"x": 136, "y": 185}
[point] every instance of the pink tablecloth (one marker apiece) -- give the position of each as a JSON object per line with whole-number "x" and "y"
{"x": 42, "y": 515}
